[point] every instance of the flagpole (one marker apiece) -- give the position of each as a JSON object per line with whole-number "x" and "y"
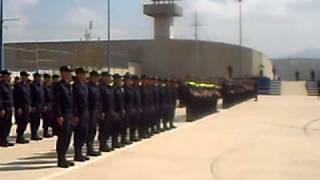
{"x": 1, "y": 38}
{"x": 240, "y": 37}
{"x": 109, "y": 38}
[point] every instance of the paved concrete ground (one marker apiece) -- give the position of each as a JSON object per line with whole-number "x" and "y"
{"x": 294, "y": 88}
{"x": 276, "y": 138}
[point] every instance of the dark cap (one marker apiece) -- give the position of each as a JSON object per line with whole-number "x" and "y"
{"x": 65, "y": 69}
{"x": 127, "y": 76}
{"x": 155, "y": 78}
{"x": 135, "y": 77}
{"x": 55, "y": 76}
{"x": 117, "y": 76}
{"x": 94, "y": 73}
{"x": 162, "y": 79}
{"x": 105, "y": 74}
{"x": 80, "y": 70}
{"x": 144, "y": 77}
{"x": 5, "y": 72}
{"x": 46, "y": 75}
{"x": 24, "y": 73}
{"x": 36, "y": 74}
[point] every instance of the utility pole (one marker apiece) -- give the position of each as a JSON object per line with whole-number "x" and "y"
{"x": 109, "y": 37}
{"x": 1, "y": 37}
{"x": 196, "y": 38}
{"x": 240, "y": 38}
{"x": 37, "y": 59}
{"x": 240, "y": 22}
{"x": 2, "y": 20}
{"x": 196, "y": 25}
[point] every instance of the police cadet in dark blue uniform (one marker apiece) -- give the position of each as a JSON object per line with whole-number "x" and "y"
{"x": 47, "y": 113}
{"x": 164, "y": 104}
{"x": 120, "y": 108}
{"x": 173, "y": 102}
{"x": 152, "y": 115}
{"x": 81, "y": 113}
{"x": 6, "y": 95}
{"x": 137, "y": 122}
{"x": 130, "y": 106}
{"x": 22, "y": 105}
{"x": 37, "y": 103}
{"x": 146, "y": 106}
{"x": 55, "y": 79}
{"x": 63, "y": 112}
{"x": 95, "y": 112}
{"x": 108, "y": 126}
{"x": 156, "y": 104}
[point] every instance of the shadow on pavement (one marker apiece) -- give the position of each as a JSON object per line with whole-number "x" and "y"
{"x": 36, "y": 162}
{"x": 23, "y": 168}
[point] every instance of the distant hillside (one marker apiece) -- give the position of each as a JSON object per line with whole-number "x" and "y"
{"x": 307, "y": 54}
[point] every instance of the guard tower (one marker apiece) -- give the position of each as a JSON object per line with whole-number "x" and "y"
{"x": 163, "y": 12}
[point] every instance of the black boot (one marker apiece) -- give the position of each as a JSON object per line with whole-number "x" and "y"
{"x": 158, "y": 129}
{"x": 21, "y": 140}
{"x": 133, "y": 137}
{"x": 62, "y": 162}
{"x": 35, "y": 137}
{"x": 172, "y": 126}
{"x": 141, "y": 133}
{"x": 144, "y": 134}
{"x": 124, "y": 140}
{"x": 70, "y": 163}
{"x": 46, "y": 133}
{"x": 105, "y": 148}
{"x": 3, "y": 142}
{"x": 165, "y": 126}
{"x": 7, "y": 142}
{"x": 91, "y": 151}
{"x": 115, "y": 142}
{"x": 78, "y": 156}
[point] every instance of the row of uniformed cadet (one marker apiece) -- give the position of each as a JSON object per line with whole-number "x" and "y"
{"x": 129, "y": 107}
{"x": 200, "y": 99}
{"x": 121, "y": 107}
{"x": 234, "y": 92}
{"x": 28, "y": 101}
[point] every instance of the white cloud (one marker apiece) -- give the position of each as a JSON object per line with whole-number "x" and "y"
{"x": 80, "y": 16}
{"x": 17, "y": 9}
{"x": 277, "y": 27}
{"x": 77, "y": 21}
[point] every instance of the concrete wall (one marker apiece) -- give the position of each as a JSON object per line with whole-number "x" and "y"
{"x": 176, "y": 58}
{"x": 205, "y": 59}
{"x": 261, "y": 62}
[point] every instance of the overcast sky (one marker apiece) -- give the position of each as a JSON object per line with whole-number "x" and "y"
{"x": 276, "y": 27}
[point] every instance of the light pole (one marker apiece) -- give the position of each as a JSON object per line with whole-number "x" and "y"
{"x": 1, "y": 34}
{"x": 240, "y": 22}
{"x": 240, "y": 35}
{"x": 109, "y": 38}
